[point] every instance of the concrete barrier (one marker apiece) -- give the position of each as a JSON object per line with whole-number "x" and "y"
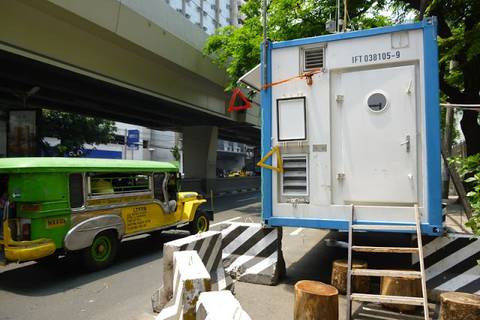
{"x": 209, "y": 248}
{"x": 219, "y": 305}
{"x": 252, "y": 253}
{"x": 236, "y": 184}
{"x": 451, "y": 263}
{"x": 191, "y": 278}
{"x": 221, "y": 185}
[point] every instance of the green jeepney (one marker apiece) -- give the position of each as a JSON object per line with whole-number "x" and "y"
{"x": 54, "y": 205}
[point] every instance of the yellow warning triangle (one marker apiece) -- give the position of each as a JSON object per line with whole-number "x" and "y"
{"x": 279, "y": 167}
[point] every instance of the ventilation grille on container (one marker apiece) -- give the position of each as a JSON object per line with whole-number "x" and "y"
{"x": 294, "y": 178}
{"x": 313, "y": 58}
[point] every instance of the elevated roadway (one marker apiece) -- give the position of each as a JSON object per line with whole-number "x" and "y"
{"x": 128, "y": 60}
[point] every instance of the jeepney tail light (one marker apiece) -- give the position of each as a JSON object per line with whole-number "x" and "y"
{"x": 26, "y": 229}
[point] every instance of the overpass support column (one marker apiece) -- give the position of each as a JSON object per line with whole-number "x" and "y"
{"x": 200, "y": 155}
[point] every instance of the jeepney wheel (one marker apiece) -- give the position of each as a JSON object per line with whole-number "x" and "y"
{"x": 102, "y": 251}
{"x": 200, "y": 223}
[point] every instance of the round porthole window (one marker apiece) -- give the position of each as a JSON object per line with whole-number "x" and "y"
{"x": 377, "y": 102}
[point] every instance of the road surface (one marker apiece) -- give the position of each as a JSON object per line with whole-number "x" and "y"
{"x": 64, "y": 291}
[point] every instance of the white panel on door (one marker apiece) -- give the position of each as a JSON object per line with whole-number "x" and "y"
{"x": 291, "y": 119}
{"x": 378, "y": 136}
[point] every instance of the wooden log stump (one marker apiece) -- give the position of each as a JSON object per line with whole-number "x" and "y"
{"x": 360, "y": 284}
{"x": 459, "y": 306}
{"x": 315, "y": 301}
{"x": 396, "y": 286}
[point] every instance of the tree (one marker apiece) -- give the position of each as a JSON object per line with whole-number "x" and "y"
{"x": 74, "y": 130}
{"x": 459, "y": 44}
{"x": 238, "y": 49}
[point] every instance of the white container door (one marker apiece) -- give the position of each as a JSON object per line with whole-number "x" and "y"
{"x": 378, "y": 137}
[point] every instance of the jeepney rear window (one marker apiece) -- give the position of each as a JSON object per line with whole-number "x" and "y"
{"x": 76, "y": 190}
{"x": 118, "y": 183}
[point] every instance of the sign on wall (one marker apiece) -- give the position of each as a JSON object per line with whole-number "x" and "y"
{"x": 133, "y": 138}
{"x": 291, "y": 119}
{"x": 22, "y": 133}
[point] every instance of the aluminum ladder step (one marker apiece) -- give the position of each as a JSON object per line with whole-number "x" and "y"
{"x": 414, "y": 301}
{"x": 375, "y": 298}
{"x": 377, "y": 227}
{"x": 387, "y": 273}
{"x": 384, "y": 249}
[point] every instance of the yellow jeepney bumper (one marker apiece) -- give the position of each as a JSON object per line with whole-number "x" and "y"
{"x": 29, "y": 250}
{"x": 21, "y": 251}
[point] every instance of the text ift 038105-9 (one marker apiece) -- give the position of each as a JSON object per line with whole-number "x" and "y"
{"x": 378, "y": 56}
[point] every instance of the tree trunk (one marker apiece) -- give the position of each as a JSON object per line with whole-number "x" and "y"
{"x": 395, "y": 286}
{"x": 447, "y": 151}
{"x": 360, "y": 284}
{"x": 471, "y": 82}
{"x": 459, "y": 306}
{"x": 315, "y": 301}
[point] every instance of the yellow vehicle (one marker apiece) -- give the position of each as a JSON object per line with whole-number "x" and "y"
{"x": 53, "y": 205}
{"x": 241, "y": 173}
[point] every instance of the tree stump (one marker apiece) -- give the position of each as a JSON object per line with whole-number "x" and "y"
{"x": 315, "y": 301}
{"x": 459, "y": 306}
{"x": 360, "y": 284}
{"x": 395, "y": 286}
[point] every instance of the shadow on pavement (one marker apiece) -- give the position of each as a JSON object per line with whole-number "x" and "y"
{"x": 316, "y": 264}
{"x": 68, "y": 273}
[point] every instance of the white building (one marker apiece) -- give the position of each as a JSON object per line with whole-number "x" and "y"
{"x": 209, "y": 14}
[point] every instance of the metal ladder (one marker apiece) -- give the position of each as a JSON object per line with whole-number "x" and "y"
{"x": 423, "y": 301}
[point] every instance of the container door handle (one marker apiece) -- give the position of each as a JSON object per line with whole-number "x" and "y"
{"x": 406, "y": 143}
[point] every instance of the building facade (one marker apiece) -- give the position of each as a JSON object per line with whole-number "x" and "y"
{"x": 209, "y": 14}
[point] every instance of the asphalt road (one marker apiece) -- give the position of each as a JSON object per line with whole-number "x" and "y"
{"x": 64, "y": 291}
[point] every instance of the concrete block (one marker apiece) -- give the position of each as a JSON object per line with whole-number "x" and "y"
{"x": 191, "y": 278}
{"x": 209, "y": 248}
{"x": 450, "y": 264}
{"x": 252, "y": 253}
{"x": 220, "y": 305}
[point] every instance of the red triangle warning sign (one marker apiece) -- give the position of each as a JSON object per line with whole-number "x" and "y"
{"x": 246, "y": 103}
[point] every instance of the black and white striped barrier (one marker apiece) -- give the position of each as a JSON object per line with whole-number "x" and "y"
{"x": 252, "y": 253}
{"x": 209, "y": 248}
{"x": 191, "y": 278}
{"x": 451, "y": 263}
{"x": 220, "y": 305}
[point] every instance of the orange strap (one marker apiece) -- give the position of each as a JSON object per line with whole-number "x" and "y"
{"x": 305, "y": 75}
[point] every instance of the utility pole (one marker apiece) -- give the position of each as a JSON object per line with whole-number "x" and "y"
{"x": 338, "y": 16}
{"x": 265, "y": 44}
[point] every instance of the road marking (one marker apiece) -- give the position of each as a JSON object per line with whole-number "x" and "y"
{"x": 296, "y": 232}
{"x": 247, "y": 199}
{"x": 229, "y": 220}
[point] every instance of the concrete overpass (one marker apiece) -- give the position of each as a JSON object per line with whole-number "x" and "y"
{"x": 136, "y": 61}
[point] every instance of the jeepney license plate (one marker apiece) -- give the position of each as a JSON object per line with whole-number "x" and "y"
{"x": 56, "y": 222}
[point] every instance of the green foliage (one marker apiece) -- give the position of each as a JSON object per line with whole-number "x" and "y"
{"x": 469, "y": 169}
{"x": 74, "y": 130}
{"x": 238, "y": 49}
